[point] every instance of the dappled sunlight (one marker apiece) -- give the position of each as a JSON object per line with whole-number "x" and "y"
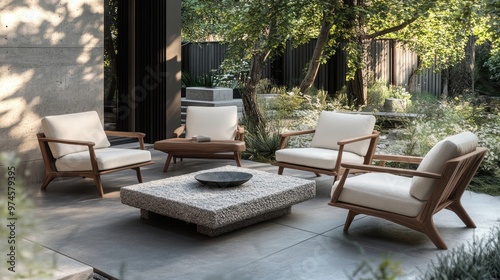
{"x": 17, "y": 115}
{"x": 89, "y": 40}
{"x": 50, "y": 23}
{"x": 84, "y": 57}
{"x": 76, "y": 10}
{"x": 89, "y": 74}
{"x": 10, "y": 84}
{"x": 12, "y": 109}
{"x": 32, "y": 14}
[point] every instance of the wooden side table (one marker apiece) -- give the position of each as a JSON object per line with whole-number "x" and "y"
{"x": 186, "y": 148}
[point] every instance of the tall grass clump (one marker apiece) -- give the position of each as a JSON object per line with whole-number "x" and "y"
{"x": 262, "y": 141}
{"x": 477, "y": 260}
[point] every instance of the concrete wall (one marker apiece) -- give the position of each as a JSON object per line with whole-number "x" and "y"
{"x": 51, "y": 62}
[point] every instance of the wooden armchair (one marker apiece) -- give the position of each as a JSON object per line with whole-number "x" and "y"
{"x": 220, "y": 124}
{"x": 75, "y": 145}
{"x": 411, "y": 197}
{"x": 338, "y": 138}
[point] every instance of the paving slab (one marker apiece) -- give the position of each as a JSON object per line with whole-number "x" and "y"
{"x": 308, "y": 243}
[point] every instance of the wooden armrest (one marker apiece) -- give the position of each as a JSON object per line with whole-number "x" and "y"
{"x": 396, "y": 171}
{"x": 66, "y": 141}
{"x": 178, "y": 131}
{"x": 240, "y": 129}
{"x": 128, "y": 134}
{"x": 285, "y": 135}
{"x": 357, "y": 139}
{"x": 398, "y": 158}
{"x": 294, "y": 133}
{"x": 240, "y": 133}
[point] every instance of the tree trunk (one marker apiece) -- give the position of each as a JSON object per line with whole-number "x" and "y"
{"x": 357, "y": 88}
{"x": 249, "y": 96}
{"x": 461, "y": 76}
{"x": 314, "y": 64}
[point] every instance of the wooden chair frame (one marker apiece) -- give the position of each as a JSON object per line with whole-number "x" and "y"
{"x": 51, "y": 170}
{"x": 448, "y": 188}
{"x": 337, "y": 170}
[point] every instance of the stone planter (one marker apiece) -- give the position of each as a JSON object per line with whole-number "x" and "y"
{"x": 209, "y": 94}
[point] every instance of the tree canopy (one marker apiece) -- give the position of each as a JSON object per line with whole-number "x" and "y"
{"x": 437, "y": 30}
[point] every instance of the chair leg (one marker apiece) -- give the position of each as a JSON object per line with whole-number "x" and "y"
{"x": 462, "y": 214}
{"x": 349, "y": 219}
{"x": 317, "y": 174}
{"x": 433, "y": 234}
{"x": 237, "y": 157}
{"x": 47, "y": 180}
{"x": 138, "y": 173}
{"x": 167, "y": 163}
{"x": 98, "y": 182}
{"x": 280, "y": 170}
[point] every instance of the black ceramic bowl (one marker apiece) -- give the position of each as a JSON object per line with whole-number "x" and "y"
{"x": 223, "y": 179}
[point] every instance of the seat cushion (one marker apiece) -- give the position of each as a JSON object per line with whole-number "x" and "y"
{"x": 333, "y": 127}
{"x": 107, "y": 158}
{"x": 449, "y": 148}
{"x": 381, "y": 191}
{"x": 218, "y": 123}
{"x": 85, "y": 126}
{"x": 315, "y": 157}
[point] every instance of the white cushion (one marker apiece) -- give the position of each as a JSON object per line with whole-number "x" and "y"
{"x": 107, "y": 158}
{"x": 449, "y": 148}
{"x": 315, "y": 157}
{"x": 381, "y": 191}
{"x": 85, "y": 126}
{"x": 218, "y": 123}
{"x": 333, "y": 127}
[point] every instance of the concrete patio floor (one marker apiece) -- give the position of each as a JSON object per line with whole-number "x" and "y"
{"x": 309, "y": 243}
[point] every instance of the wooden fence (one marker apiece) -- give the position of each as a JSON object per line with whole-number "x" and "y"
{"x": 390, "y": 63}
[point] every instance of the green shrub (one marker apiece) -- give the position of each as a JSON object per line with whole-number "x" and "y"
{"x": 378, "y": 92}
{"x": 206, "y": 80}
{"x": 376, "y": 95}
{"x": 440, "y": 118}
{"x": 231, "y": 73}
{"x": 286, "y": 103}
{"x": 20, "y": 258}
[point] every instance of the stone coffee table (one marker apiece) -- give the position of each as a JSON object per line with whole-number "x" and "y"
{"x": 218, "y": 210}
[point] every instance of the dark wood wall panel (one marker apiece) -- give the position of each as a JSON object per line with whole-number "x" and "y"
{"x": 151, "y": 86}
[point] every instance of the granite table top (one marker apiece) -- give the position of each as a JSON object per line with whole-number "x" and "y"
{"x": 184, "y": 198}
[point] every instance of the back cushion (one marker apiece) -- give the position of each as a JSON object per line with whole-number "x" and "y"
{"x": 449, "y": 148}
{"x": 333, "y": 127}
{"x": 218, "y": 123}
{"x": 85, "y": 126}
